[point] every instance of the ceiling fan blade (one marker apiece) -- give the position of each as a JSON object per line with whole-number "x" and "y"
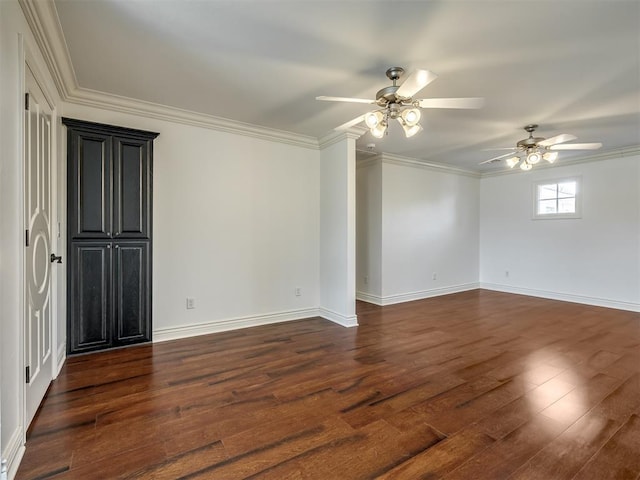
{"x": 475, "y": 102}
{"x": 350, "y": 123}
{"x": 563, "y": 137}
{"x": 576, "y": 146}
{"x": 499, "y": 148}
{"x": 415, "y": 82}
{"x": 498, "y": 157}
{"x": 345, "y": 99}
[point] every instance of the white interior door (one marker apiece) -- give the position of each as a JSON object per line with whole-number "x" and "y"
{"x": 37, "y": 277}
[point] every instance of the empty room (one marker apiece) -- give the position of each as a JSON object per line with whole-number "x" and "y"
{"x": 311, "y": 239}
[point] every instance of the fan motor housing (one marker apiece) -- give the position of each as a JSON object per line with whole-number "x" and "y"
{"x": 387, "y": 95}
{"x": 529, "y": 142}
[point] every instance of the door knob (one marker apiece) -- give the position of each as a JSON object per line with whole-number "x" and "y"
{"x": 56, "y": 259}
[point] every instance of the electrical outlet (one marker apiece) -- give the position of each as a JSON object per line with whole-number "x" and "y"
{"x": 366, "y": 279}
{"x": 434, "y": 276}
{"x": 506, "y": 273}
{"x": 298, "y": 291}
{"x": 191, "y": 303}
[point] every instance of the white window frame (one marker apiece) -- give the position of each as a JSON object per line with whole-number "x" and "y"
{"x": 555, "y": 216}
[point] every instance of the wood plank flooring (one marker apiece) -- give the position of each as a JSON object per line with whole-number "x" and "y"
{"x": 476, "y": 385}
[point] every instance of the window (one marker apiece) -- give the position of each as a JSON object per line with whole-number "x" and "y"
{"x": 557, "y": 198}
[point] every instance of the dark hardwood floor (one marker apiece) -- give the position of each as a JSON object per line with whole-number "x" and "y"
{"x": 475, "y": 385}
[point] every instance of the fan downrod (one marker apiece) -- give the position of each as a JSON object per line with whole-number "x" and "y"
{"x": 394, "y": 73}
{"x": 532, "y": 141}
{"x": 387, "y": 95}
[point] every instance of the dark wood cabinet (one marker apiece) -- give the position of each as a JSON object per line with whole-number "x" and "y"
{"x": 109, "y": 213}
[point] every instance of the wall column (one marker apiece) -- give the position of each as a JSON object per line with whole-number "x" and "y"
{"x": 338, "y": 228}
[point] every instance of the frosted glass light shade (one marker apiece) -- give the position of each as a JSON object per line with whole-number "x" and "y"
{"x": 513, "y": 161}
{"x": 411, "y": 116}
{"x": 533, "y": 158}
{"x": 373, "y": 119}
{"x": 410, "y": 131}
{"x": 379, "y": 130}
{"x": 526, "y": 166}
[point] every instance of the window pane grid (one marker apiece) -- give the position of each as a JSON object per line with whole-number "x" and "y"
{"x": 556, "y": 199}
{"x": 568, "y": 188}
{"x": 547, "y": 191}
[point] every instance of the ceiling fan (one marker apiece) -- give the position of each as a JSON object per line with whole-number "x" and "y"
{"x": 395, "y": 102}
{"x": 531, "y": 150}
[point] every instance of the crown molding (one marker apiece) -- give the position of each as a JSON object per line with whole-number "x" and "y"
{"x": 42, "y": 18}
{"x": 117, "y": 103}
{"x": 415, "y": 163}
{"x": 337, "y": 136}
{"x": 603, "y": 156}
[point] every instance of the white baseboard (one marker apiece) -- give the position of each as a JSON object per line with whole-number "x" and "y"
{"x": 335, "y": 317}
{"x": 565, "y": 297}
{"x": 14, "y": 450}
{"x": 60, "y": 359}
{"x": 369, "y": 298}
{"x": 174, "y": 333}
{"x": 408, "y": 297}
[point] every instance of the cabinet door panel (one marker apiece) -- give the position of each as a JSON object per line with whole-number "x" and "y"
{"x": 89, "y": 185}
{"x": 131, "y": 188}
{"x": 132, "y": 280}
{"x": 90, "y": 296}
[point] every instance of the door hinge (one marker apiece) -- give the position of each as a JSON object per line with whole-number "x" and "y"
{"x": 26, "y": 101}
{"x": 28, "y": 375}
{"x": 26, "y": 238}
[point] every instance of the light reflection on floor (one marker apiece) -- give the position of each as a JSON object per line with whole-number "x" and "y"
{"x": 559, "y": 395}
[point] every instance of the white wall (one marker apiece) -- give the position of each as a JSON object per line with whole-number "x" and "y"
{"x": 235, "y": 226}
{"x": 429, "y": 225}
{"x": 11, "y": 223}
{"x": 369, "y": 230}
{"x": 338, "y": 230}
{"x": 594, "y": 259}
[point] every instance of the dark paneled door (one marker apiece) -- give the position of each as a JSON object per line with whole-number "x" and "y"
{"x": 89, "y": 194}
{"x": 131, "y": 188}
{"x": 132, "y": 278}
{"x": 109, "y": 214}
{"x": 90, "y": 310}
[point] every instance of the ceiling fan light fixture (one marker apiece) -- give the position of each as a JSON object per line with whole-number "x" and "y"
{"x": 411, "y": 116}
{"x": 396, "y": 102}
{"x": 513, "y": 161}
{"x": 550, "y": 156}
{"x": 373, "y": 119}
{"x": 379, "y": 130}
{"x": 534, "y": 157}
{"x": 411, "y": 130}
{"x": 535, "y": 149}
{"x": 526, "y": 166}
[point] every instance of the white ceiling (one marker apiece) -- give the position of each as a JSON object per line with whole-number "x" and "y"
{"x": 571, "y": 66}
